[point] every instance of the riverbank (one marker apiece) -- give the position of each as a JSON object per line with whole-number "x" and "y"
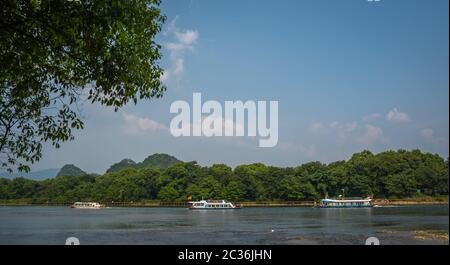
{"x": 441, "y": 200}
{"x": 425, "y": 200}
{"x": 386, "y": 237}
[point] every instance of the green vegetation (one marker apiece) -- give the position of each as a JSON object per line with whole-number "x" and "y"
{"x": 70, "y": 170}
{"x": 124, "y": 163}
{"x": 56, "y": 54}
{"x": 391, "y": 174}
{"x": 155, "y": 160}
{"x": 159, "y": 160}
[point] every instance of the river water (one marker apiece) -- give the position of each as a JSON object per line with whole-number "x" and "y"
{"x": 289, "y": 225}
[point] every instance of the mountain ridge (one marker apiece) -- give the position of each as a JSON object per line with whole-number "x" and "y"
{"x": 161, "y": 160}
{"x": 70, "y": 170}
{"x": 35, "y": 175}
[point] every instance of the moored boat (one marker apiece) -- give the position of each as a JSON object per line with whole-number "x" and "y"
{"x": 212, "y": 205}
{"x": 346, "y": 203}
{"x": 87, "y": 205}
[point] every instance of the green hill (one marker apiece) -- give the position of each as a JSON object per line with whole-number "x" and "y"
{"x": 155, "y": 160}
{"x": 125, "y": 163}
{"x": 159, "y": 160}
{"x": 70, "y": 170}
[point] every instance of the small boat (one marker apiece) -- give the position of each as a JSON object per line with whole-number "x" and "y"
{"x": 212, "y": 205}
{"x": 87, "y": 205}
{"x": 345, "y": 203}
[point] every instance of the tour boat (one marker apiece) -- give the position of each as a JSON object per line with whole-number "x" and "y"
{"x": 345, "y": 203}
{"x": 87, "y": 205}
{"x": 212, "y": 205}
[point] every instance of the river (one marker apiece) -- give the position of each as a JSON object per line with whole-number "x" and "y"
{"x": 288, "y": 225}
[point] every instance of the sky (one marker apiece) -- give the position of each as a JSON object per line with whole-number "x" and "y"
{"x": 348, "y": 75}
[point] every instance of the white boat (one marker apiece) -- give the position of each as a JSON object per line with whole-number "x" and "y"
{"x": 345, "y": 203}
{"x": 212, "y": 205}
{"x": 87, "y": 205}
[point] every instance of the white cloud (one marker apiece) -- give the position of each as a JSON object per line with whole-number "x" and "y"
{"x": 182, "y": 41}
{"x": 372, "y": 117}
{"x": 371, "y": 136}
{"x": 165, "y": 76}
{"x": 316, "y": 127}
{"x": 428, "y": 135}
{"x": 171, "y": 26}
{"x": 179, "y": 66}
{"x": 187, "y": 37}
{"x": 136, "y": 125}
{"x": 397, "y": 116}
{"x": 175, "y": 47}
{"x": 334, "y": 124}
{"x": 309, "y": 151}
{"x": 351, "y": 126}
{"x": 342, "y": 130}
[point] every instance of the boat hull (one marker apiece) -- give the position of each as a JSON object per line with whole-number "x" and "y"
{"x": 346, "y": 203}
{"x": 212, "y": 205}
{"x": 87, "y": 205}
{"x": 365, "y": 206}
{"x": 215, "y": 209}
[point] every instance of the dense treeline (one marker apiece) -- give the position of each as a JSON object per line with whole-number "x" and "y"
{"x": 391, "y": 174}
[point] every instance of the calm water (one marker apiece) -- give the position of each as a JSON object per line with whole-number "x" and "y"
{"x": 52, "y": 225}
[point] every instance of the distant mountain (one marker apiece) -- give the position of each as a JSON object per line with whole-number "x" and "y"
{"x": 155, "y": 160}
{"x": 36, "y": 175}
{"x": 70, "y": 170}
{"x": 125, "y": 163}
{"x": 159, "y": 160}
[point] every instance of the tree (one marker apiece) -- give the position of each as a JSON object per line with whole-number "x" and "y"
{"x": 207, "y": 188}
{"x": 359, "y": 186}
{"x": 291, "y": 189}
{"x": 401, "y": 185}
{"x": 295, "y": 189}
{"x": 56, "y": 54}
{"x": 222, "y": 172}
{"x": 250, "y": 178}
{"x": 169, "y": 193}
{"x": 391, "y": 174}
{"x": 232, "y": 192}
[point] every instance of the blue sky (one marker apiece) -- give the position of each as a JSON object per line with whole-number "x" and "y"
{"x": 349, "y": 75}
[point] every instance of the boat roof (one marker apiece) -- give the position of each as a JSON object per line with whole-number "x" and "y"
{"x": 343, "y": 200}
{"x": 209, "y": 201}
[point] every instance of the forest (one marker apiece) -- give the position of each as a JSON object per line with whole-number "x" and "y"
{"x": 389, "y": 174}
